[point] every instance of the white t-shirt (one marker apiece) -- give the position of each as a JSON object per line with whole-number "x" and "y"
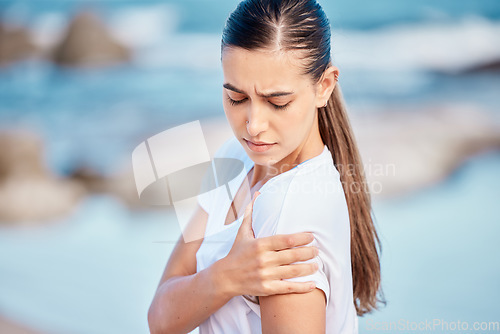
{"x": 306, "y": 198}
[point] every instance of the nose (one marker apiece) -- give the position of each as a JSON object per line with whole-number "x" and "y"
{"x": 257, "y": 121}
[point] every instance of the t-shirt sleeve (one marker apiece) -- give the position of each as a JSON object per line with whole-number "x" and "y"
{"x": 313, "y": 204}
{"x": 296, "y": 217}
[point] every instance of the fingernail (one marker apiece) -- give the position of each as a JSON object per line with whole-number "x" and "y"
{"x": 316, "y": 250}
{"x": 312, "y": 286}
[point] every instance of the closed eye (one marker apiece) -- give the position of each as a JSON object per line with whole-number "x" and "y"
{"x": 236, "y": 102}
{"x": 283, "y": 107}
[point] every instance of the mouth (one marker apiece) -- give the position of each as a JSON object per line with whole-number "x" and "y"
{"x": 258, "y": 146}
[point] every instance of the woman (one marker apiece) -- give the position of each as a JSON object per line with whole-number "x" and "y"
{"x": 248, "y": 275}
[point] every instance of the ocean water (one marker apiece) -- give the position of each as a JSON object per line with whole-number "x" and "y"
{"x": 96, "y": 271}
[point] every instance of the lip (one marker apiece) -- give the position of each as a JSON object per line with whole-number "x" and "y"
{"x": 258, "y": 146}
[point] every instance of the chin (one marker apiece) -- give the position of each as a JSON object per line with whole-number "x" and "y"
{"x": 263, "y": 160}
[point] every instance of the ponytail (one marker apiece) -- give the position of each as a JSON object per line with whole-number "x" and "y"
{"x": 337, "y": 134}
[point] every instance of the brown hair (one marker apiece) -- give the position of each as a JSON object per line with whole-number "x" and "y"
{"x": 302, "y": 25}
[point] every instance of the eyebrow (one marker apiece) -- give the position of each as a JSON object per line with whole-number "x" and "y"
{"x": 274, "y": 94}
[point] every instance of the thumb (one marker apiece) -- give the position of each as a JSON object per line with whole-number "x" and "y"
{"x": 246, "y": 225}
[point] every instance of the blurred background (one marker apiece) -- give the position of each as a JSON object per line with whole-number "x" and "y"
{"x": 82, "y": 83}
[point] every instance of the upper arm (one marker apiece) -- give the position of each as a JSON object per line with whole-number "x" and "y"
{"x": 294, "y": 313}
{"x": 182, "y": 261}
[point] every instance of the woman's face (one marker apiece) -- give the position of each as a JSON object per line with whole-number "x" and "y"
{"x": 268, "y": 90}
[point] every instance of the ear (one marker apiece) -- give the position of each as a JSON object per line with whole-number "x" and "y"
{"x": 326, "y": 85}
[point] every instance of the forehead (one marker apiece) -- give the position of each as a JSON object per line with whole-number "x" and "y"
{"x": 262, "y": 69}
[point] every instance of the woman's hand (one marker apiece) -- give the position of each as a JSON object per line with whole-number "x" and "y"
{"x": 256, "y": 266}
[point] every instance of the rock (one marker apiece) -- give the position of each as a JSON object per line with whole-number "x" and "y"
{"x": 15, "y": 44}
{"x": 123, "y": 186}
{"x": 487, "y": 67}
{"x": 407, "y": 150}
{"x": 21, "y": 154}
{"x": 29, "y": 193}
{"x": 35, "y": 199}
{"x": 90, "y": 179}
{"x": 120, "y": 185}
{"x": 87, "y": 42}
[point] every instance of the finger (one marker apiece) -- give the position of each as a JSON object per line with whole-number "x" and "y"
{"x": 289, "y": 256}
{"x": 285, "y": 241}
{"x": 294, "y": 270}
{"x": 283, "y": 287}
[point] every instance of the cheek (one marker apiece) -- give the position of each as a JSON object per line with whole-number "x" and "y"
{"x": 299, "y": 119}
{"x": 306, "y": 117}
{"x": 297, "y": 125}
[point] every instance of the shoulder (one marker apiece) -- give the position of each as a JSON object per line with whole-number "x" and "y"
{"x": 309, "y": 197}
{"x": 315, "y": 183}
{"x": 314, "y": 198}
